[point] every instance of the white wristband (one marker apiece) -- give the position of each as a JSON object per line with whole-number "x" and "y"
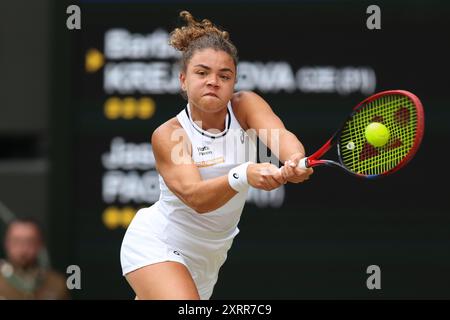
{"x": 237, "y": 177}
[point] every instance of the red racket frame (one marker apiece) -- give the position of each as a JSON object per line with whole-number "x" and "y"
{"x": 314, "y": 159}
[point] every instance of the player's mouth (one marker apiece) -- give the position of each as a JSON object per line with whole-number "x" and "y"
{"x": 211, "y": 94}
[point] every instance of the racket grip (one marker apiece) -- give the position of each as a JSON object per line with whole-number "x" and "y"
{"x": 303, "y": 163}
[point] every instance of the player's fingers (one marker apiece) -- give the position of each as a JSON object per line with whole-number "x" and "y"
{"x": 303, "y": 172}
{"x": 272, "y": 177}
{"x": 268, "y": 169}
{"x": 289, "y": 170}
{"x": 279, "y": 178}
{"x": 297, "y": 157}
{"x": 271, "y": 183}
{"x": 292, "y": 163}
{"x": 283, "y": 172}
{"x": 286, "y": 171}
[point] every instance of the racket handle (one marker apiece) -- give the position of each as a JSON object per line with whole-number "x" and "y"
{"x": 303, "y": 163}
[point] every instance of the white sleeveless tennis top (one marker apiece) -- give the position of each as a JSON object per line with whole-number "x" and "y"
{"x": 170, "y": 230}
{"x": 214, "y": 155}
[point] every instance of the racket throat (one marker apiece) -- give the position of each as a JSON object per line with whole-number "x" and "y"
{"x": 313, "y": 161}
{"x": 309, "y": 163}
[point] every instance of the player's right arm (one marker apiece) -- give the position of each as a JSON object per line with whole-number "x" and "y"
{"x": 172, "y": 151}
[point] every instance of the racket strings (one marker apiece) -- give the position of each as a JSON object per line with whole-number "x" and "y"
{"x": 398, "y": 114}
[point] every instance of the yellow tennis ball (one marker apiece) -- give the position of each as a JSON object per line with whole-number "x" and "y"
{"x": 377, "y": 134}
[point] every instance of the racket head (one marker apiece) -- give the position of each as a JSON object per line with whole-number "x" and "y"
{"x": 402, "y": 114}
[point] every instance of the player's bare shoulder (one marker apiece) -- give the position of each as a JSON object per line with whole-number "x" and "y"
{"x": 241, "y": 99}
{"x": 246, "y": 103}
{"x": 240, "y": 103}
{"x": 168, "y": 135}
{"x": 163, "y": 133}
{"x": 245, "y": 97}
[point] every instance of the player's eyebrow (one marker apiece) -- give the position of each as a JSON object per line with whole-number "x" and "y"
{"x": 208, "y": 68}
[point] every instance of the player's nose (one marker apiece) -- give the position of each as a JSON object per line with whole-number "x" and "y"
{"x": 212, "y": 80}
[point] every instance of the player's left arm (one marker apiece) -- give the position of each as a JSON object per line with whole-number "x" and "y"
{"x": 255, "y": 113}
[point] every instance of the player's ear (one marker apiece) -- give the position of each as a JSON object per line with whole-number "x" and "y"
{"x": 182, "y": 78}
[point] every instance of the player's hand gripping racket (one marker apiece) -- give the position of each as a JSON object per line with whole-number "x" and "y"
{"x": 379, "y": 137}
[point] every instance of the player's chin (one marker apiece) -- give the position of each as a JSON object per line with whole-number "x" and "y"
{"x": 212, "y": 104}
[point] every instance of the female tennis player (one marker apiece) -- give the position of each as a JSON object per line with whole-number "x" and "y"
{"x": 175, "y": 248}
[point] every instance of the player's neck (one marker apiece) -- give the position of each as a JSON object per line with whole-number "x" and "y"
{"x": 209, "y": 121}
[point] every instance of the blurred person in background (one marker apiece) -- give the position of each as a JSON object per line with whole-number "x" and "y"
{"x": 21, "y": 275}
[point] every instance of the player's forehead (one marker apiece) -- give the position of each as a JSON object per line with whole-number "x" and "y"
{"x": 212, "y": 59}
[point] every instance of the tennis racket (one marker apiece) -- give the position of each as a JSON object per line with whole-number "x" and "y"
{"x": 400, "y": 112}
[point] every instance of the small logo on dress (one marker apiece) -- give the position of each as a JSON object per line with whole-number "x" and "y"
{"x": 242, "y": 136}
{"x": 235, "y": 175}
{"x": 202, "y": 151}
{"x": 176, "y": 252}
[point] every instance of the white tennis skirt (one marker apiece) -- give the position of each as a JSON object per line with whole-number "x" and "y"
{"x": 150, "y": 239}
